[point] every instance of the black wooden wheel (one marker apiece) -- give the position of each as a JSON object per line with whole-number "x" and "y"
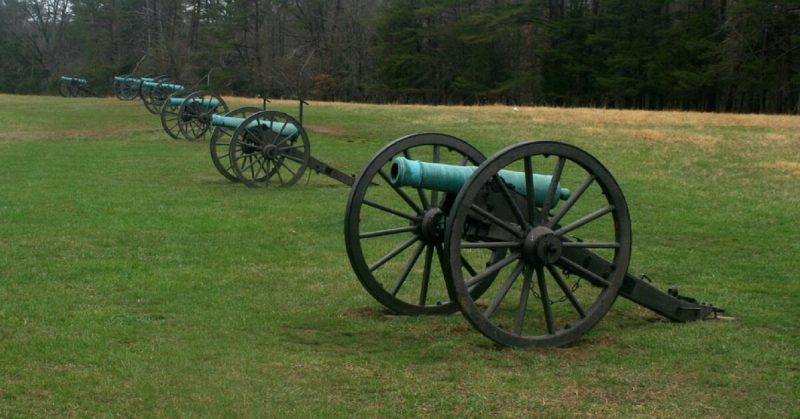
{"x": 195, "y": 112}
{"x": 146, "y": 94}
{"x": 548, "y": 292}
{"x": 154, "y": 96}
{"x": 116, "y": 85}
{"x": 394, "y": 235}
{"x": 65, "y": 88}
{"x": 169, "y": 116}
{"x": 129, "y": 88}
{"x": 82, "y": 90}
{"x": 145, "y": 87}
{"x": 220, "y": 143}
{"x": 269, "y": 148}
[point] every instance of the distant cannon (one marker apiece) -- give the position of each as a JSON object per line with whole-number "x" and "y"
{"x": 189, "y": 115}
{"x": 74, "y": 87}
{"x": 532, "y": 245}
{"x": 128, "y": 87}
{"x": 266, "y": 148}
{"x": 154, "y": 93}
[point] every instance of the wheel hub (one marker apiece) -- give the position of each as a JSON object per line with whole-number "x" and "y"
{"x": 431, "y": 228}
{"x": 205, "y": 117}
{"x": 541, "y": 247}
{"x": 270, "y": 151}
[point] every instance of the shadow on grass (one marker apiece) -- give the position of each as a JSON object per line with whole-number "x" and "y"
{"x": 373, "y": 331}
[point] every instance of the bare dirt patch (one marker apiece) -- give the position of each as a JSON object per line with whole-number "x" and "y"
{"x": 328, "y": 130}
{"x": 66, "y": 134}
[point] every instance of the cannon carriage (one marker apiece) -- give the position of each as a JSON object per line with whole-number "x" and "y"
{"x": 154, "y": 93}
{"x": 532, "y": 245}
{"x": 129, "y": 87}
{"x": 69, "y": 86}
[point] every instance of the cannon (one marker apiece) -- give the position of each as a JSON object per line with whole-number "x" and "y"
{"x": 154, "y": 93}
{"x": 266, "y": 148}
{"x": 190, "y": 115}
{"x": 129, "y": 87}
{"x": 123, "y": 87}
{"x": 73, "y": 87}
{"x": 532, "y": 245}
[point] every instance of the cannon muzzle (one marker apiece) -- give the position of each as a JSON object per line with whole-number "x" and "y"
{"x": 450, "y": 178}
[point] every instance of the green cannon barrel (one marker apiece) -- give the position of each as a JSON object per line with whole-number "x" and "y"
{"x": 74, "y": 80}
{"x": 234, "y": 122}
{"x": 209, "y": 103}
{"x": 450, "y": 178}
{"x": 133, "y": 79}
{"x": 169, "y": 86}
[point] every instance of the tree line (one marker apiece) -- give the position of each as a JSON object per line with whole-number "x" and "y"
{"x": 708, "y": 55}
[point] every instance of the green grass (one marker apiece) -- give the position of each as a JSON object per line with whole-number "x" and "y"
{"x": 136, "y": 281}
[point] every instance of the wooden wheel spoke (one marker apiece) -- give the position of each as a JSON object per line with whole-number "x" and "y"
{"x": 583, "y": 272}
{"x": 387, "y": 232}
{"x": 503, "y": 291}
{"x": 545, "y": 297}
{"x": 529, "y": 192}
{"x": 510, "y": 201}
{"x": 566, "y": 290}
{"x": 494, "y": 219}
{"x": 407, "y": 269}
{"x": 571, "y": 201}
{"x": 437, "y": 156}
{"x": 551, "y": 190}
{"x": 400, "y": 192}
{"x": 492, "y": 269}
{"x": 583, "y": 220}
{"x": 389, "y": 210}
{"x": 396, "y": 251}
{"x": 489, "y": 245}
{"x": 426, "y": 276}
{"x": 522, "y": 308}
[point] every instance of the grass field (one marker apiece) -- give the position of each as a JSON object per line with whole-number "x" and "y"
{"x": 136, "y": 281}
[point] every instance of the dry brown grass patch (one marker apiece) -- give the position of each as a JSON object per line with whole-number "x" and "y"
{"x": 67, "y": 134}
{"x": 335, "y": 131}
{"x": 594, "y": 130}
{"x": 703, "y": 141}
{"x": 791, "y": 168}
{"x": 591, "y": 116}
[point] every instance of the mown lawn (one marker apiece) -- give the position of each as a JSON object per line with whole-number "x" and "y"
{"x": 136, "y": 281}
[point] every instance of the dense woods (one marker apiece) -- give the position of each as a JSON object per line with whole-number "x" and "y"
{"x": 710, "y": 55}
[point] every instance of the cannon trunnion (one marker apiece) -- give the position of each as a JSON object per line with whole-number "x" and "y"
{"x": 532, "y": 245}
